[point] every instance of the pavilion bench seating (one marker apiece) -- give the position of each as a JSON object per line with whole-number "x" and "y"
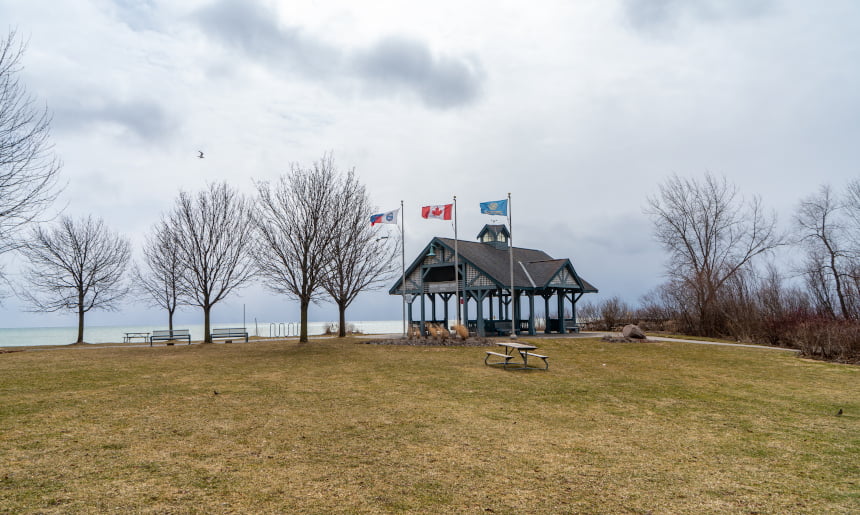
{"x": 229, "y": 333}
{"x": 169, "y": 336}
{"x": 502, "y": 328}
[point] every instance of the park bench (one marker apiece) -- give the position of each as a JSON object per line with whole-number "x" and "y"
{"x": 502, "y": 328}
{"x": 229, "y": 333}
{"x": 169, "y": 336}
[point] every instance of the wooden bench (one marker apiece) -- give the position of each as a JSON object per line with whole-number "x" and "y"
{"x": 506, "y": 358}
{"x": 169, "y": 336}
{"x": 229, "y": 333}
{"x": 544, "y": 358}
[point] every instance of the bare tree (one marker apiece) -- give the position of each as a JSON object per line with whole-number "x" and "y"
{"x": 359, "y": 259}
{"x": 614, "y": 312}
{"x": 76, "y": 266}
{"x": 163, "y": 274}
{"x": 296, "y": 222}
{"x": 212, "y": 231}
{"x": 28, "y": 167}
{"x": 823, "y": 221}
{"x": 711, "y": 234}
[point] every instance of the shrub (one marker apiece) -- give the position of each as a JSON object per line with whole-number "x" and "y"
{"x": 829, "y": 339}
{"x": 461, "y": 330}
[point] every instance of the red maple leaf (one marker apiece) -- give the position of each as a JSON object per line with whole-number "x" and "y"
{"x": 436, "y": 211}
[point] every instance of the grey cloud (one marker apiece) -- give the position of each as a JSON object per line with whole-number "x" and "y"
{"x": 138, "y": 15}
{"x": 389, "y": 67}
{"x": 253, "y": 29}
{"x": 441, "y": 82}
{"x": 146, "y": 120}
{"x": 661, "y": 15}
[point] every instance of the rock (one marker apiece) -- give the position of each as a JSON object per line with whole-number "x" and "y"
{"x": 633, "y": 331}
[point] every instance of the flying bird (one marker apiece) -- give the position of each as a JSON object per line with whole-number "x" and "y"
{"x": 201, "y": 154}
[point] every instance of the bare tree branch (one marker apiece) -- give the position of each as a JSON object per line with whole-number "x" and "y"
{"x": 28, "y": 166}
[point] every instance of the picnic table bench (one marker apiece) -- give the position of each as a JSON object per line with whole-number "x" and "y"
{"x": 169, "y": 336}
{"x": 522, "y": 349}
{"x": 229, "y": 333}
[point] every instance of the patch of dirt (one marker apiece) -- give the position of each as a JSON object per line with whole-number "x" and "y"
{"x": 621, "y": 339}
{"x": 432, "y": 342}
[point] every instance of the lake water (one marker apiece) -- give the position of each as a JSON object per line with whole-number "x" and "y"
{"x": 32, "y": 336}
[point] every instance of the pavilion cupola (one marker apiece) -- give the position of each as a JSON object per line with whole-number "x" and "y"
{"x": 495, "y": 235}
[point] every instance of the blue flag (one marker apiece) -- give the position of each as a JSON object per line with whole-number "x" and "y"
{"x": 495, "y": 207}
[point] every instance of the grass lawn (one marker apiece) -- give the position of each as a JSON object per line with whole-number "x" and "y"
{"x": 337, "y": 427}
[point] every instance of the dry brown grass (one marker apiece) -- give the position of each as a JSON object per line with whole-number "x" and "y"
{"x": 461, "y": 330}
{"x": 336, "y": 427}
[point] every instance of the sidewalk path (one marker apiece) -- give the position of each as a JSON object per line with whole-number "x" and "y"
{"x": 702, "y": 342}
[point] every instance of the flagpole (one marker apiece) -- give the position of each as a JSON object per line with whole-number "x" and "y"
{"x": 403, "y": 266}
{"x": 511, "y": 248}
{"x": 456, "y": 262}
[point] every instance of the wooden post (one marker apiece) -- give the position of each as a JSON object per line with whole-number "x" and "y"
{"x": 465, "y": 308}
{"x": 479, "y": 315}
{"x": 560, "y": 295}
{"x": 546, "y": 314}
{"x": 423, "y": 304}
{"x": 532, "y": 331}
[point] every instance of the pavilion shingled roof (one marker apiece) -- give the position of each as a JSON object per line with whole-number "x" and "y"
{"x": 495, "y": 262}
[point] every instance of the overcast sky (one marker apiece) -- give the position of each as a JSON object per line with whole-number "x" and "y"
{"x": 578, "y": 108}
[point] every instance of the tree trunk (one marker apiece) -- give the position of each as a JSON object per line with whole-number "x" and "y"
{"x": 207, "y": 335}
{"x": 170, "y": 320}
{"x": 80, "y": 325}
{"x": 341, "y": 307}
{"x": 303, "y": 332}
{"x": 837, "y": 280}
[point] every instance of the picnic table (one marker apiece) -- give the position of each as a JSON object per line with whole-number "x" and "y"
{"x": 131, "y": 336}
{"x": 522, "y": 349}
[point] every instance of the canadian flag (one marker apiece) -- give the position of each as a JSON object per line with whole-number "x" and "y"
{"x": 442, "y": 212}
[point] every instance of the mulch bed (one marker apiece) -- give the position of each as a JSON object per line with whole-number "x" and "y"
{"x": 433, "y": 342}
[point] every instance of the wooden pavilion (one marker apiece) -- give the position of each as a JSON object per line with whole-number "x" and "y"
{"x": 484, "y": 276}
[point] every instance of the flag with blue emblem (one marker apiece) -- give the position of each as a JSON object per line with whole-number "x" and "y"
{"x": 495, "y": 207}
{"x": 384, "y": 218}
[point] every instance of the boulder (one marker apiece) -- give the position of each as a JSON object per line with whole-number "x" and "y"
{"x": 633, "y": 331}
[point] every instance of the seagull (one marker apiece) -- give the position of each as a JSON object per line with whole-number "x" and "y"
{"x": 201, "y": 154}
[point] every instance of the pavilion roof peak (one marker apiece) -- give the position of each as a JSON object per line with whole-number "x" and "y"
{"x": 496, "y": 235}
